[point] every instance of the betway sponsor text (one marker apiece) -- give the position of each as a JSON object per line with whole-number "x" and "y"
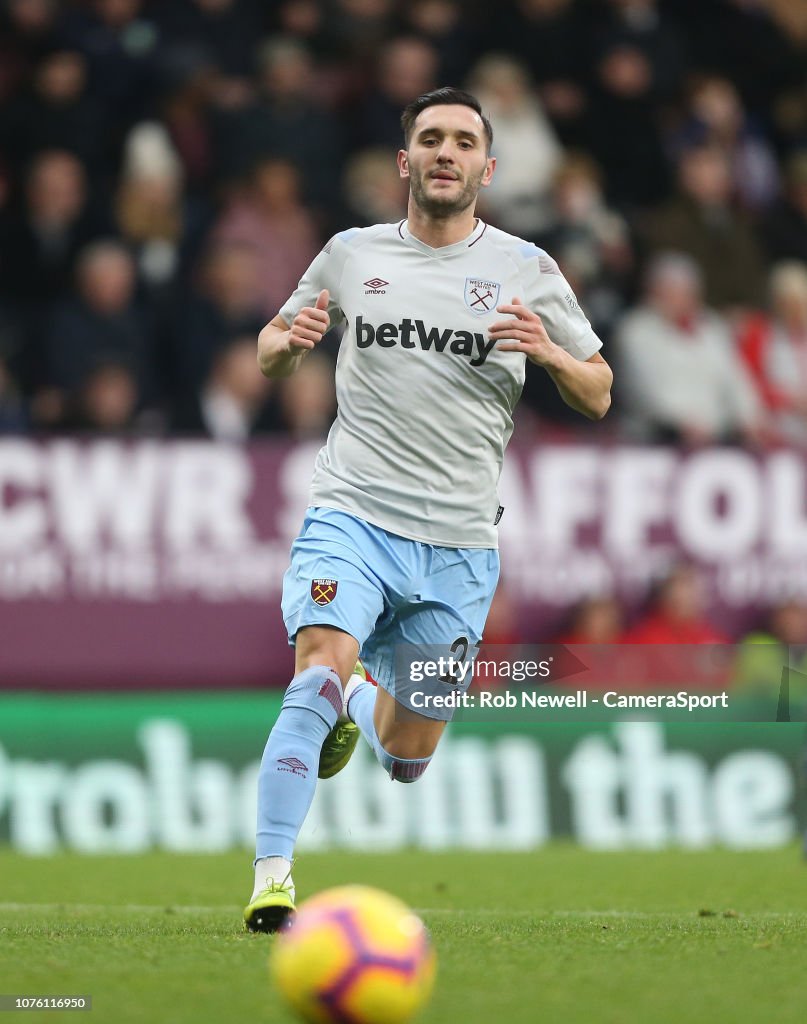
{"x": 415, "y": 334}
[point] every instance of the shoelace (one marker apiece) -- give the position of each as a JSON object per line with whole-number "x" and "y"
{"x": 273, "y": 886}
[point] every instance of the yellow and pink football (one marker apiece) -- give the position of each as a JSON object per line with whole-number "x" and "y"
{"x": 354, "y": 955}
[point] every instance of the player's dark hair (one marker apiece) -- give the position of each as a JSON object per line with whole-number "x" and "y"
{"x": 446, "y": 96}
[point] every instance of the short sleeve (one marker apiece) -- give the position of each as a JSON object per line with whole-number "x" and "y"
{"x": 324, "y": 272}
{"x": 550, "y": 295}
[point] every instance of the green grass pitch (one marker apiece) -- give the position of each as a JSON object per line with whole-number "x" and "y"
{"x": 558, "y": 935}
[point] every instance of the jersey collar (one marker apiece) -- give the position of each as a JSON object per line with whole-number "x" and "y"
{"x": 444, "y": 250}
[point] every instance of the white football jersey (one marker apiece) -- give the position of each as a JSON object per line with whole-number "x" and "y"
{"x": 425, "y": 399}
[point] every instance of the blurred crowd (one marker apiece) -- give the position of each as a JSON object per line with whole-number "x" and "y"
{"x": 168, "y": 169}
{"x": 671, "y": 637}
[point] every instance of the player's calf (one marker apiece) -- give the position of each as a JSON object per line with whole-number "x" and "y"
{"x": 406, "y": 749}
{"x": 341, "y": 740}
{"x": 286, "y": 783}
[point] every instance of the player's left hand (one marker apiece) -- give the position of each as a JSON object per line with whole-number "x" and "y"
{"x": 524, "y": 334}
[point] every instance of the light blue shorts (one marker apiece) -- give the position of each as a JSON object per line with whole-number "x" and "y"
{"x": 387, "y": 592}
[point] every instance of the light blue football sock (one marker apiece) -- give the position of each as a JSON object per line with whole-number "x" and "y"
{"x": 361, "y": 706}
{"x": 288, "y": 774}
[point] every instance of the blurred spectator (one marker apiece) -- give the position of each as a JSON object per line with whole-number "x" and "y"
{"x": 590, "y": 242}
{"x": 306, "y": 21}
{"x": 637, "y": 58}
{"x": 784, "y": 231}
{"x": 373, "y": 188}
{"x": 222, "y": 305}
{"x": 623, "y": 128}
{"x": 360, "y": 27}
{"x": 106, "y": 402}
{"x": 595, "y": 620}
{"x": 232, "y": 405}
{"x": 740, "y": 40}
{"x": 677, "y": 614}
{"x": 641, "y": 28}
{"x": 286, "y": 120}
{"x": 453, "y": 34}
{"x": 764, "y": 653}
{"x": 674, "y": 643}
{"x": 679, "y": 376}
{"x": 307, "y": 398}
{"x": 121, "y": 44}
{"x": 101, "y": 325}
{"x": 39, "y": 245}
{"x": 42, "y": 240}
{"x": 185, "y": 111}
{"x": 596, "y": 627}
{"x": 161, "y": 226}
{"x": 406, "y": 67}
{"x": 28, "y": 30}
{"x": 270, "y": 219}
{"x": 58, "y": 113}
{"x": 702, "y": 222}
{"x": 546, "y": 36}
{"x": 225, "y": 31}
{"x": 775, "y": 350}
{"x": 716, "y": 117}
{"x": 524, "y": 142}
{"x": 792, "y": 18}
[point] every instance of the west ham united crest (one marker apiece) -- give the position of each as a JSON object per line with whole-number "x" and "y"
{"x": 323, "y": 591}
{"x": 481, "y": 296}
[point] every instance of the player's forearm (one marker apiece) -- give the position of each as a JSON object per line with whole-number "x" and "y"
{"x": 275, "y": 358}
{"x": 584, "y": 386}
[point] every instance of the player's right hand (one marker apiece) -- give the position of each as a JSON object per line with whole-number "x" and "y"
{"x": 310, "y": 324}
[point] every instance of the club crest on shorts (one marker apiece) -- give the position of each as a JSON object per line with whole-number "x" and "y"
{"x": 481, "y": 296}
{"x": 323, "y": 591}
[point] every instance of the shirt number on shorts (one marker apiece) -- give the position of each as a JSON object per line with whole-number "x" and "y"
{"x": 459, "y": 652}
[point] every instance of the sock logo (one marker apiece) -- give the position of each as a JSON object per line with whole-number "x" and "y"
{"x": 294, "y": 765}
{"x": 333, "y": 694}
{"x": 323, "y": 591}
{"x": 408, "y": 771}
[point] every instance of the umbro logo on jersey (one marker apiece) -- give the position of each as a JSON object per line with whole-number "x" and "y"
{"x": 376, "y": 286}
{"x": 415, "y": 334}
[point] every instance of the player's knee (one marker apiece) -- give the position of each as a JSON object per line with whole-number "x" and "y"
{"x": 329, "y": 659}
{"x": 332, "y": 654}
{"x": 313, "y": 686}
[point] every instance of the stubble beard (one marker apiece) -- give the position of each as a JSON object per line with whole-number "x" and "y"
{"x": 443, "y": 207}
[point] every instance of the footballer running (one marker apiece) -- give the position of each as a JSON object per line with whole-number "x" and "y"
{"x": 399, "y": 545}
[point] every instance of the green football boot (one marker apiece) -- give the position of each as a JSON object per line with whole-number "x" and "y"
{"x": 341, "y": 740}
{"x": 272, "y": 909}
